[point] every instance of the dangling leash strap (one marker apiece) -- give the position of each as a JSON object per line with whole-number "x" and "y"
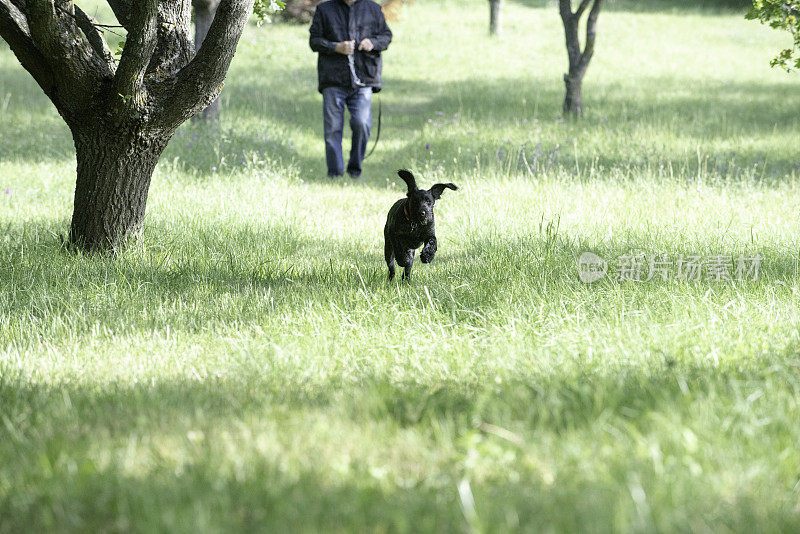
{"x": 378, "y": 133}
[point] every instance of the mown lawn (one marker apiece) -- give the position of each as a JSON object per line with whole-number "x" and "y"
{"x": 245, "y": 365}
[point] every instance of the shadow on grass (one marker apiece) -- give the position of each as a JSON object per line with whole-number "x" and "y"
{"x": 239, "y": 275}
{"x": 712, "y": 118}
{"x": 567, "y": 398}
{"x": 71, "y": 471}
{"x": 448, "y": 118}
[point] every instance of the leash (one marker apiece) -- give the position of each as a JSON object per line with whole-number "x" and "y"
{"x": 378, "y": 133}
{"x": 351, "y": 64}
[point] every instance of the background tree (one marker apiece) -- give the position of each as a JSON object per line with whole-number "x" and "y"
{"x": 495, "y": 14}
{"x": 781, "y": 15}
{"x": 121, "y": 113}
{"x": 578, "y": 59}
{"x": 300, "y": 11}
{"x": 204, "y": 11}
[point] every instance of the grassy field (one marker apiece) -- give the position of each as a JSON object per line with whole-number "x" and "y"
{"x": 245, "y": 365}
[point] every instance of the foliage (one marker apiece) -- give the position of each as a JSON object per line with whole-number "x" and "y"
{"x": 781, "y": 15}
{"x": 265, "y": 9}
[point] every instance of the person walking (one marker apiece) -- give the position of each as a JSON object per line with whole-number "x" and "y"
{"x": 349, "y": 36}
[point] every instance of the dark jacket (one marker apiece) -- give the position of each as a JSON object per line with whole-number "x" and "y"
{"x": 334, "y": 22}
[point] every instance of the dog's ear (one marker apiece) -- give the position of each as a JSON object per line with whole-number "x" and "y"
{"x": 408, "y": 178}
{"x": 438, "y": 189}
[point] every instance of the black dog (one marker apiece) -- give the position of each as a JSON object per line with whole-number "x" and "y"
{"x": 409, "y": 225}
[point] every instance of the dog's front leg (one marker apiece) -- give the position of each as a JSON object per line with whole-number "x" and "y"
{"x": 408, "y": 262}
{"x": 429, "y": 250}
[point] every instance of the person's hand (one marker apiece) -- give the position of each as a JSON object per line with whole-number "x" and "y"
{"x": 366, "y": 45}
{"x": 345, "y": 47}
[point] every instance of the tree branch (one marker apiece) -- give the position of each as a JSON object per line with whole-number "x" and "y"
{"x": 565, "y": 9}
{"x": 581, "y": 8}
{"x": 15, "y": 31}
{"x": 204, "y": 11}
{"x": 591, "y": 33}
{"x": 77, "y": 72}
{"x": 139, "y": 47}
{"x": 20, "y": 5}
{"x": 46, "y": 28}
{"x": 122, "y": 10}
{"x": 88, "y": 26}
{"x": 174, "y": 49}
{"x": 570, "y": 34}
{"x": 197, "y": 84}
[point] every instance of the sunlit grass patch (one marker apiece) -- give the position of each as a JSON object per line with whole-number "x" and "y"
{"x": 245, "y": 365}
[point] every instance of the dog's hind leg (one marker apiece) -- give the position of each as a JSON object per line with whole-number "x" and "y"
{"x": 388, "y": 252}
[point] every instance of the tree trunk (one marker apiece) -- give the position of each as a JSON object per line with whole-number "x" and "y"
{"x": 114, "y": 172}
{"x": 573, "y": 103}
{"x": 495, "y": 17}
{"x": 578, "y": 59}
{"x": 122, "y": 112}
{"x": 204, "y": 11}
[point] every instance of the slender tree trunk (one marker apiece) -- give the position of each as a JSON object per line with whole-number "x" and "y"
{"x": 114, "y": 172}
{"x": 578, "y": 59}
{"x": 204, "y": 11}
{"x": 495, "y": 17}
{"x": 573, "y": 102}
{"x": 573, "y": 80}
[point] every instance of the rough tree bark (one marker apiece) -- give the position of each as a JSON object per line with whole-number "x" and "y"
{"x": 113, "y": 181}
{"x": 121, "y": 113}
{"x": 495, "y": 17}
{"x": 204, "y": 11}
{"x": 578, "y": 60}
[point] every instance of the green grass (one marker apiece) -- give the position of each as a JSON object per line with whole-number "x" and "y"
{"x": 245, "y": 365}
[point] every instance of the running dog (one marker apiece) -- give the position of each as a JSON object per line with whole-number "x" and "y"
{"x": 409, "y": 225}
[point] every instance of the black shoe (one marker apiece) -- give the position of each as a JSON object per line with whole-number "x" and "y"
{"x": 355, "y": 176}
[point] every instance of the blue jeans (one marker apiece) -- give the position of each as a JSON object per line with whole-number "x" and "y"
{"x": 359, "y": 104}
